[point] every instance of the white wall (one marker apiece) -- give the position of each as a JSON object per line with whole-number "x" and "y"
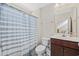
{"x": 77, "y": 16}
{"x": 47, "y": 18}
{"x": 45, "y": 21}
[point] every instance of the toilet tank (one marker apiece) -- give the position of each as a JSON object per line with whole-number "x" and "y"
{"x": 45, "y": 41}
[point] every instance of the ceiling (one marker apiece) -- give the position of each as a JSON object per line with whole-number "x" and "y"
{"x": 30, "y": 6}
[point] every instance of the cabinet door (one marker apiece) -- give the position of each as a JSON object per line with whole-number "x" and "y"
{"x": 57, "y": 50}
{"x": 70, "y": 52}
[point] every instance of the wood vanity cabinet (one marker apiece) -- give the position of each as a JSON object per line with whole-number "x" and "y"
{"x": 64, "y": 48}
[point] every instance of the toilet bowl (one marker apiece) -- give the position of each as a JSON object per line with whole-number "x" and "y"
{"x": 40, "y": 49}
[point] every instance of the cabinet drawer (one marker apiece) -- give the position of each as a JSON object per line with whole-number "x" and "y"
{"x": 71, "y": 44}
{"x": 57, "y": 42}
{"x": 70, "y": 52}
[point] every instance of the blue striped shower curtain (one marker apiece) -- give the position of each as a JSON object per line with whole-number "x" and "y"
{"x": 18, "y": 31}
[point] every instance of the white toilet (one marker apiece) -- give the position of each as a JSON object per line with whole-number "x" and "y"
{"x": 40, "y": 49}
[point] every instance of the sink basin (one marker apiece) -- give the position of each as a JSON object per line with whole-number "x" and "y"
{"x": 66, "y": 37}
{"x": 61, "y": 35}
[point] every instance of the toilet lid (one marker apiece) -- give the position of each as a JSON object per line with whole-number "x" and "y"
{"x": 40, "y": 48}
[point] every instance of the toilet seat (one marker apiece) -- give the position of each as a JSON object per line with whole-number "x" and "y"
{"x": 40, "y": 48}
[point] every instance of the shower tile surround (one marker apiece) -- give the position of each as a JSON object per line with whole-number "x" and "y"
{"x": 18, "y": 32}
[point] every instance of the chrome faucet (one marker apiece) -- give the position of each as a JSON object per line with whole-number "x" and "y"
{"x": 64, "y": 34}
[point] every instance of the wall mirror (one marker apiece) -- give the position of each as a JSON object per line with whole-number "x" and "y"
{"x": 64, "y": 20}
{"x": 65, "y": 26}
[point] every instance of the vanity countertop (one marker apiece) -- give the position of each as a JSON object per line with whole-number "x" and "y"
{"x": 74, "y": 39}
